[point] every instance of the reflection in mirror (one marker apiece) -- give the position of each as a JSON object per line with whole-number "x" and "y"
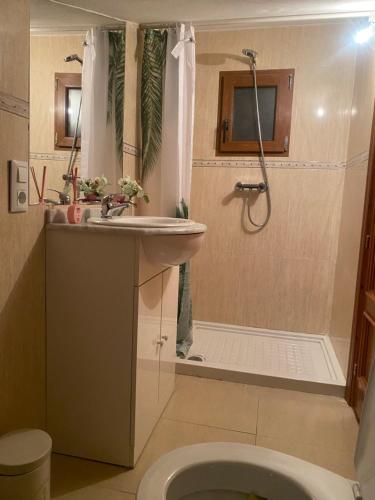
{"x": 72, "y": 112}
{"x": 57, "y": 49}
{"x": 68, "y": 93}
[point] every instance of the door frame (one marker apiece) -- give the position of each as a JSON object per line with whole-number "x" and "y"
{"x": 366, "y": 249}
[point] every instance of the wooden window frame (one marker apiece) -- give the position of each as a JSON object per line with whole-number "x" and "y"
{"x": 63, "y": 82}
{"x": 283, "y": 80}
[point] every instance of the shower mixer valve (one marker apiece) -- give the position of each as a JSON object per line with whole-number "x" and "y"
{"x": 261, "y": 187}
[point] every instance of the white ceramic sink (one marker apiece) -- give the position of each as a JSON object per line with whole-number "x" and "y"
{"x": 142, "y": 221}
{"x": 165, "y": 240}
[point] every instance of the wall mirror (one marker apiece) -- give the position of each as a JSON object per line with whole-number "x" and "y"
{"x": 57, "y": 36}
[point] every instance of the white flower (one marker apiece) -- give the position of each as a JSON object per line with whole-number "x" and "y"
{"x": 130, "y": 188}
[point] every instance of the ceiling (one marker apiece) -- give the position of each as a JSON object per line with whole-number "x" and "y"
{"x": 55, "y": 13}
{"x": 46, "y": 15}
{"x": 146, "y": 11}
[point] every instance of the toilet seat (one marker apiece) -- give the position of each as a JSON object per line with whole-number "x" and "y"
{"x": 242, "y": 468}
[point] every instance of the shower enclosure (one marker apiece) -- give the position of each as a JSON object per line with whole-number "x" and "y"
{"x": 284, "y": 358}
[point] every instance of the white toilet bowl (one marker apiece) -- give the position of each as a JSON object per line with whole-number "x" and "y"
{"x": 25, "y": 458}
{"x": 232, "y": 471}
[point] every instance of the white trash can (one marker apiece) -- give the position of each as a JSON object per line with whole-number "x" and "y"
{"x": 25, "y": 465}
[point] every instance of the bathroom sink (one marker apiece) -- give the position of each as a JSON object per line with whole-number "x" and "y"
{"x": 142, "y": 221}
{"x": 165, "y": 240}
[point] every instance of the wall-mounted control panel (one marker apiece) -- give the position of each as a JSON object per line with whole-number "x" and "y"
{"x": 18, "y": 186}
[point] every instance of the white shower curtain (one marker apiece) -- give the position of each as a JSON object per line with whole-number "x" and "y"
{"x": 167, "y": 174}
{"x": 178, "y": 120}
{"x": 98, "y": 149}
{"x": 176, "y": 156}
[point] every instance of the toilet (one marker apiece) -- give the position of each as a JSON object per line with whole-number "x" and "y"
{"x": 25, "y": 462}
{"x": 231, "y": 471}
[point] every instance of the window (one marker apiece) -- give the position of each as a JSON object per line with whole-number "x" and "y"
{"x": 237, "y": 118}
{"x": 68, "y": 90}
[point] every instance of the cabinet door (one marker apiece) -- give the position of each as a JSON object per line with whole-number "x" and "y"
{"x": 168, "y": 335}
{"x": 148, "y": 352}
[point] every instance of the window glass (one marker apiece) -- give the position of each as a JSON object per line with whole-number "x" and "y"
{"x": 73, "y": 100}
{"x": 244, "y": 127}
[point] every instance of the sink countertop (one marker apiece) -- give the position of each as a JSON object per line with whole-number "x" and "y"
{"x": 196, "y": 228}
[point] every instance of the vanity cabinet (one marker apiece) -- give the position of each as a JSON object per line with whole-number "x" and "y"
{"x": 156, "y": 319}
{"x": 111, "y": 342}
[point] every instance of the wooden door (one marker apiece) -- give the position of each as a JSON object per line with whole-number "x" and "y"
{"x": 362, "y": 352}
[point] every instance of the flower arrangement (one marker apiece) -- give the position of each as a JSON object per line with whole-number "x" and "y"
{"x": 93, "y": 188}
{"x": 130, "y": 189}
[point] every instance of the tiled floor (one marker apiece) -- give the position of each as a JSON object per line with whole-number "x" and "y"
{"x": 320, "y": 429}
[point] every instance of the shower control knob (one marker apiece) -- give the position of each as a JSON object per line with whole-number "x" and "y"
{"x": 160, "y": 342}
{"x": 164, "y": 337}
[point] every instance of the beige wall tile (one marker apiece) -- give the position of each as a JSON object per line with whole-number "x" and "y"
{"x": 363, "y": 101}
{"x": 281, "y": 277}
{"x": 348, "y": 254}
{"x": 14, "y": 43}
{"x": 22, "y": 338}
{"x": 318, "y": 54}
{"x": 353, "y": 202}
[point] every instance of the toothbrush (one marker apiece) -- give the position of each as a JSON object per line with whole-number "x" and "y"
{"x": 74, "y": 210}
{"x": 41, "y": 198}
{"x": 32, "y": 170}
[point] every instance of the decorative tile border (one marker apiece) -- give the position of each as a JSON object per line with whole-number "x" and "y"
{"x": 52, "y": 156}
{"x": 131, "y": 150}
{"x": 359, "y": 160}
{"x": 14, "y": 105}
{"x": 283, "y": 164}
{"x": 64, "y": 156}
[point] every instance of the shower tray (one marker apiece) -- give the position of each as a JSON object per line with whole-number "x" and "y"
{"x": 274, "y": 358}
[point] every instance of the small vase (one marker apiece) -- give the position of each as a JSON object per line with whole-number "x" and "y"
{"x": 92, "y": 197}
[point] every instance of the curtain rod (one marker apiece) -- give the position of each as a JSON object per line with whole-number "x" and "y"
{"x": 113, "y": 28}
{"x": 160, "y": 26}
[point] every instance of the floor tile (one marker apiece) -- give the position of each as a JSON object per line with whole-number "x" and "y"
{"x": 95, "y": 493}
{"x": 322, "y": 421}
{"x": 71, "y": 473}
{"x": 215, "y": 403}
{"x": 319, "y": 429}
{"x": 74, "y": 476}
{"x": 340, "y": 462}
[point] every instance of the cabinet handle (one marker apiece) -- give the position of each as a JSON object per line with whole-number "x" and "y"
{"x": 164, "y": 337}
{"x": 160, "y": 342}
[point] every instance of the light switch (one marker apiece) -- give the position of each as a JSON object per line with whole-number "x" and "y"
{"x": 18, "y": 186}
{"x": 22, "y": 174}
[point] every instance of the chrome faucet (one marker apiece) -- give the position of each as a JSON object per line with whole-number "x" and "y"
{"x": 64, "y": 198}
{"x": 110, "y": 207}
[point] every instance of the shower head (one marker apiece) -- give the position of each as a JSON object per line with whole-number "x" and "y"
{"x": 250, "y": 53}
{"x": 73, "y": 57}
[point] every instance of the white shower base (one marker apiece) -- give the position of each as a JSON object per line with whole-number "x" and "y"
{"x": 272, "y": 358}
